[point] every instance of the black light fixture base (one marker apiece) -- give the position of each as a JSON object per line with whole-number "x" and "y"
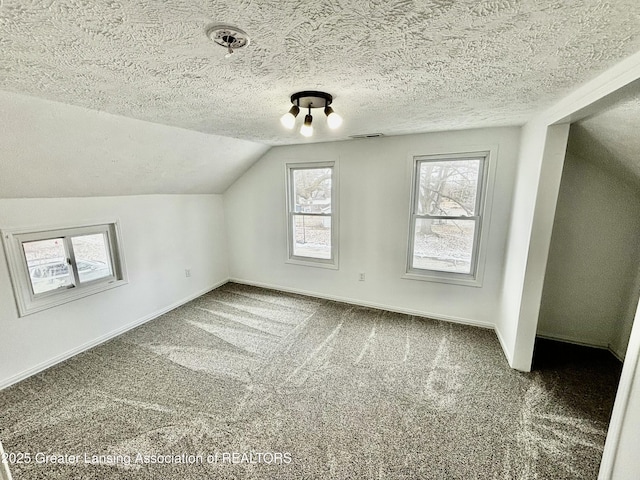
{"x": 311, "y": 99}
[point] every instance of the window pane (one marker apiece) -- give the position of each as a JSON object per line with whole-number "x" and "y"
{"x": 92, "y": 257}
{"x": 312, "y": 190}
{"x": 312, "y": 236}
{"x": 444, "y": 245}
{"x": 448, "y": 187}
{"x": 47, "y": 263}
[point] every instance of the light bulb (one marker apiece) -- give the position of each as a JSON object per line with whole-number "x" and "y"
{"x": 288, "y": 120}
{"x": 307, "y": 129}
{"x": 333, "y": 119}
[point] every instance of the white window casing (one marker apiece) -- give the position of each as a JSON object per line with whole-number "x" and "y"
{"x": 68, "y": 273}
{"x": 451, "y": 264}
{"x": 324, "y": 217}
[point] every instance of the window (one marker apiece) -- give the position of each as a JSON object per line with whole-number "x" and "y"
{"x": 446, "y": 217}
{"x": 52, "y": 267}
{"x": 311, "y": 214}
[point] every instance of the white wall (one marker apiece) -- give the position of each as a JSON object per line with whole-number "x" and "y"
{"x": 161, "y": 235}
{"x": 374, "y": 216}
{"x": 525, "y": 189}
{"x": 620, "y": 460}
{"x": 620, "y": 342}
{"x": 593, "y": 259}
{"x": 536, "y": 187}
{"x": 627, "y": 465}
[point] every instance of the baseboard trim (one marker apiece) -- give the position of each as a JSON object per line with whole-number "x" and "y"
{"x": 616, "y": 354}
{"x": 360, "y": 303}
{"x": 503, "y": 344}
{"x": 581, "y": 342}
{"x": 573, "y": 340}
{"x": 103, "y": 338}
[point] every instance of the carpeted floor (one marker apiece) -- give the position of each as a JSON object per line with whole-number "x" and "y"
{"x": 257, "y": 384}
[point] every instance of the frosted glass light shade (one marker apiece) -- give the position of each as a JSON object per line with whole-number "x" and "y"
{"x": 307, "y": 129}
{"x": 288, "y": 120}
{"x": 334, "y": 120}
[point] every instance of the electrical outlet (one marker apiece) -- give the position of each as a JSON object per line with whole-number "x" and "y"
{"x": 361, "y": 278}
{"x": 187, "y": 272}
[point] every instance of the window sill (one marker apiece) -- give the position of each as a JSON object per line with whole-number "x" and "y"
{"x": 44, "y": 303}
{"x": 331, "y": 265}
{"x": 430, "y": 277}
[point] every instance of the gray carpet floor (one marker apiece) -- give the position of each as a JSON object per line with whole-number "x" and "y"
{"x": 257, "y": 384}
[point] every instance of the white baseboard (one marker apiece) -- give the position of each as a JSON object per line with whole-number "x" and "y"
{"x": 582, "y": 342}
{"x": 360, "y": 303}
{"x": 103, "y": 338}
{"x": 585, "y": 342}
{"x": 505, "y": 350}
{"x": 617, "y": 354}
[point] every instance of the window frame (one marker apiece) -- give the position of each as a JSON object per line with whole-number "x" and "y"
{"x": 29, "y": 302}
{"x": 481, "y": 218}
{"x": 331, "y": 263}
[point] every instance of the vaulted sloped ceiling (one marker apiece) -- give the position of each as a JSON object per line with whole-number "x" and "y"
{"x": 611, "y": 138}
{"x": 50, "y": 149}
{"x": 394, "y": 66}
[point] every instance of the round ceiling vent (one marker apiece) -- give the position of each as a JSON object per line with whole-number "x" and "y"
{"x": 227, "y": 36}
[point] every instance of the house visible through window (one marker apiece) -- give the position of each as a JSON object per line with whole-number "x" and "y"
{"x": 311, "y": 204}
{"x": 446, "y": 216}
{"x": 52, "y": 267}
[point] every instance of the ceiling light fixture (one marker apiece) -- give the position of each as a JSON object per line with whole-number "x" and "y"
{"x": 229, "y": 37}
{"x": 307, "y": 129}
{"x": 310, "y": 99}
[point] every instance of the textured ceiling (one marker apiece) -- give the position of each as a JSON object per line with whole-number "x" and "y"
{"x": 394, "y": 66}
{"x": 611, "y": 138}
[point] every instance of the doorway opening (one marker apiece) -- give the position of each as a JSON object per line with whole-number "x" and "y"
{"x": 592, "y": 281}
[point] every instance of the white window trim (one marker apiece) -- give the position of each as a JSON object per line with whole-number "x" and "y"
{"x": 331, "y": 263}
{"x": 28, "y": 302}
{"x": 474, "y": 279}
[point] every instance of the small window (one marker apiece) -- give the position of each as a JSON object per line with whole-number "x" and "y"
{"x": 446, "y": 217}
{"x": 311, "y": 214}
{"x": 52, "y": 267}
